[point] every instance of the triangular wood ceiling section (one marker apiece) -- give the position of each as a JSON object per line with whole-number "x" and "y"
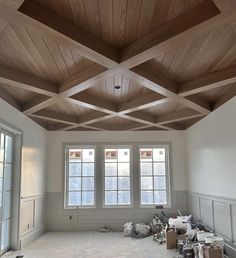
{"x": 173, "y": 60}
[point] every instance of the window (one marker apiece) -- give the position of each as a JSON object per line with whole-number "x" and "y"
{"x": 154, "y": 175}
{"x": 117, "y": 176}
{"x": 80, "y": 171}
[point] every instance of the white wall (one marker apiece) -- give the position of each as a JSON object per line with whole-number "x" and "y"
{"x": 32, "y": 168}
{"x": 211, "y": 153}
{"x": 55, "y": 152}
{"x": 211, "y": 170}
{"x": 58, "y": 219}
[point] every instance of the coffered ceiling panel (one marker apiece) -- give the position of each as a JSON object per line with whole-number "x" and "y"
{"x": 117, "y": 64}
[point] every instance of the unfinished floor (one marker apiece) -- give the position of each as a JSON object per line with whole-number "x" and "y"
{"x": 92, "y": 244}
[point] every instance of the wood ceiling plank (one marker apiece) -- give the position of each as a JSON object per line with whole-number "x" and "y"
{"x": 209, "y": 81}
{"x": 93, "y": 19}
{"x": 117, "y": 81}
{"x": 20, "y": 95}
{"x": 119, "y": 21}
{"x": 93, "y": 117}
{"x": 165, "y": 87}
{"x": 229, "y": 94}
{"x": 6, "y": 57}
{"x": 175, "y": 10}
{"x": 146, "y": 14}
{"x": 225, "y": 6}
{"x": 211, "y": 52}
{"x": 154, "y": 81}
{"x": 160, "y": 14}
{"x": 82, "y": 80}
{"x": 68, "y": 58}
{"x": 9, "y": 99}
{"x": 54, "y": 116}
{"x": 124, "y": 87}
{"x": 21, "y": 49}
{"x": 40, "y": 41}
{"x": 196, "y": 103}
{"x": 32, "y": 49}
{"x": 14, "y": 4}
{"x": 68, "y": 108}
{"x": 140, "y": 117}
{"x": 178, "y": 116}
{"x": 18, "y": 54}
{"x": 26, "y": 81}
{"x": 79, "y": 61}
{"x": 78, "y": 13}
{"x": 142, "y": 102}
{"x": 38, "y": 103}
{"x": 106, "y": 19}
{"x": 143, "y": 127}
{"x": 92, "y": 102}
{"x": 132, "y": 19}
{"x": 193, "y": 49}
{"x": 227, "y": 60}
{"x": 90, "y": 46}
{"x": 54, "y": 49}
{"x": 190, "y": 24}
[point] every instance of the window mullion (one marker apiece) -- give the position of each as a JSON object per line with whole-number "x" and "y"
{"x": 117, "y": 179}
{"x": 81, "y": 184}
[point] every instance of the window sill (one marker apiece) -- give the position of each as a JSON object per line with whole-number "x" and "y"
{"x": 79, "y": 208}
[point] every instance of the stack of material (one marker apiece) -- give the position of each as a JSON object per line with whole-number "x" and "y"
{"x": 192, "y": 240}
{"x": 142, "y": 230}
{"x": 214, "y": 250}
{"x": 137, "y": 231}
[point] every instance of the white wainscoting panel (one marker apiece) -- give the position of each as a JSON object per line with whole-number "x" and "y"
{"x": 219, "y": 214}
{"x": 60, "y": 219}
{"x": 32, "y": 223}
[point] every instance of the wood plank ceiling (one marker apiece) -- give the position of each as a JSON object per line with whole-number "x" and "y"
{"x": 173, "y": 60}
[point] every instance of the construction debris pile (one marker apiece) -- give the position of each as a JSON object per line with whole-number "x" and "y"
{"x": 142, "y": 230}
{"x": 189, "y": 239}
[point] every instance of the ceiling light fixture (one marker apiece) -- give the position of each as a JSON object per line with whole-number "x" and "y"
{"x": 117, "y": 87}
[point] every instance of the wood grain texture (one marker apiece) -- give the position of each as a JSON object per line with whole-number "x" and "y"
{"x": 174, "y": 61}
{"x": 187, "y": 24}
{"x": 91, "y": 46}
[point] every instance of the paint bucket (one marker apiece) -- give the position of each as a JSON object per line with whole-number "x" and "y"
{"x": 215, "y": 239}
{"x": 188, "y": 252}
{"x": 180, "y": 246}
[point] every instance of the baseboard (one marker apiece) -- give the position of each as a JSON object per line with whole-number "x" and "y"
{"x": 230, "y": 251}
{"x": 31, "y": 236}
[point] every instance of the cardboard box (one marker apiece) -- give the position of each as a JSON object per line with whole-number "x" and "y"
{"x": 213, "y": 253}
{"x": 171, "y": 239}
{"x": 181, "y": 237}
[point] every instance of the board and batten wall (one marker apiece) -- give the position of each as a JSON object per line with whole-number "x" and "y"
{"x": 211, "y": 172}
{"x": 58, "y": 218}
{"x": 33, "y": 165}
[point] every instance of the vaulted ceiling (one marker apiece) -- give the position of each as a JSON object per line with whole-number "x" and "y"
{"x": 174, "y": 61}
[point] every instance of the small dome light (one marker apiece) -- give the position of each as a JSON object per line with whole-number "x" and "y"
{"x": 117, "y": 87}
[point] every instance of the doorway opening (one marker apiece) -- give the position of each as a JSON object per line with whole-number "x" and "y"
{"x": 10, "y": 164}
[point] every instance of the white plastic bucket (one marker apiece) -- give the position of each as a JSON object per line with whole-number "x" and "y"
{"x": 219, "y": 241}
{"x": 202, "y": 235}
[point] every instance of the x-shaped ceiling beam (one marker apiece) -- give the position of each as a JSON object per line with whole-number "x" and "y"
{"x": 130, "y": 61}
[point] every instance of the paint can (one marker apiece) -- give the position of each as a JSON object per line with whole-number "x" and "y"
{"x": 188, "y": 252}
{"x": 180, "y": 246}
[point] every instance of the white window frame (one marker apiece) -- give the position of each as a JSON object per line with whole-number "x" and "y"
{"x": 66, "y": 175}
{"x": 168, "y": 178}
{"x": 130, "y": 147}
